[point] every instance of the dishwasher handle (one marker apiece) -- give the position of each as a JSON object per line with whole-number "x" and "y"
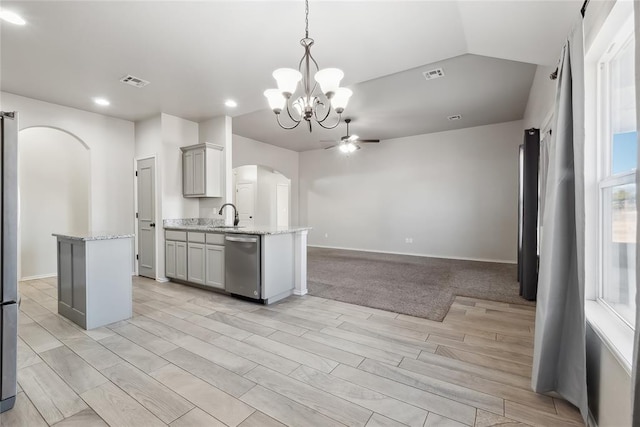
{"x": 241, "y": 239}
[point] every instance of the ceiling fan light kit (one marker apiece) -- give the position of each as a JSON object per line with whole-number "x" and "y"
{"x": 348, "y": 147}
{"x": 318, "y": 97}
{"x": 349, "y": 143}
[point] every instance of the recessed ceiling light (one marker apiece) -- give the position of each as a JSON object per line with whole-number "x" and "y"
{"x": 230, "y": 103}
{"x": 12, "y": 17}
{"x": 101, "y": 101}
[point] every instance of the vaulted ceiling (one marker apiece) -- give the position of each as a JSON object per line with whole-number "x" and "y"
{"x": 198, "y": 54}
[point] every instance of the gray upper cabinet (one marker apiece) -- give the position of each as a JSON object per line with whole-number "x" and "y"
{"x": 202, "y": 170}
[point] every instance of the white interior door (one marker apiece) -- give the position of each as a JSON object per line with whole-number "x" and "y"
{"x": 245, "y": 203}
{"x": 282, "y": 205}
{"x": 146, "y": 218}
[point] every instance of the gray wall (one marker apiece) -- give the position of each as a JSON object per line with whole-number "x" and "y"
{"x": 608, "y": 384}
{"x": 110, "y": 143}
{"x": 54, "y": 180}
{"x": 454, "y": 193}
{"x": 248, "y": 151}
{"x": 162, "y": 136}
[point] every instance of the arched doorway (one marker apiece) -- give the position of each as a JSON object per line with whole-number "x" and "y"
{"x": 54, "y": 195}
{"x": 262, "y": 196}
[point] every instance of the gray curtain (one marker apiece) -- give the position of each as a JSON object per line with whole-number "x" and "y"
{"x": 544, "y": 168}
{"x": 559, "y": 356}
{"x": 635, "y": 378}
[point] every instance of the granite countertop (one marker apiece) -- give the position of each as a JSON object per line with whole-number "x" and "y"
{"x": 93, "y": 236}
{"x": 217, "y": 226}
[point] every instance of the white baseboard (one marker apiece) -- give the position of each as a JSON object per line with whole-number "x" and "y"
{"x": 157, "y": 279}
{"x": 420, "y": 255}
{"x": 40, "y": 276}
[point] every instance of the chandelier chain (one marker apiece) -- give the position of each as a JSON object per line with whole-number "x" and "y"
{"x": 306, "y": 18}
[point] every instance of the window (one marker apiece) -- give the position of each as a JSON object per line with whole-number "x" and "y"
{"x": 617, "y": 158}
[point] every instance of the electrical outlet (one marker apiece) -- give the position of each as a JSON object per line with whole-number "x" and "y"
{"x": 326, "y": 235}
{"x": 408, "y": 240}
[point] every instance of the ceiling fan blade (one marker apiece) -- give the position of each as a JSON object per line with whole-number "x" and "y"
{"x": 368, "y": 140}
{"x": 329, "y": 140}
{"x": 331, "y": 146}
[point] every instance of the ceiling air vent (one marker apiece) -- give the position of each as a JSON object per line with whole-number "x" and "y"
{"x": 134, "y": 81}
{"x": 436, "y": 73}
{"x": 455, "y": 117}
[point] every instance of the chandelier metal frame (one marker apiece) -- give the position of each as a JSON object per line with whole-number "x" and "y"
{"x": 312, "y": 104}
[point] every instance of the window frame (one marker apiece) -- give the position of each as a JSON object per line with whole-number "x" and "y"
{"x": 604, "y": 218}
{"x": 604, "y": 150}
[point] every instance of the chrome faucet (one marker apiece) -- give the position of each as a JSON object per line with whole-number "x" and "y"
{"x": 236, "y": 218}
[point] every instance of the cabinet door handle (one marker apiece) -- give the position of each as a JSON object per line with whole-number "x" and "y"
{"x": 153, "y": 224}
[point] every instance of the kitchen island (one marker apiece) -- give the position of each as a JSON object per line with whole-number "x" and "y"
{"x": 266, "y": 264}
{"x": 94, "y": 277}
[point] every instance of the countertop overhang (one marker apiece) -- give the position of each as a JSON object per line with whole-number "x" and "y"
{"x": 260, "y": 230}
{"x": 92, "y": 236}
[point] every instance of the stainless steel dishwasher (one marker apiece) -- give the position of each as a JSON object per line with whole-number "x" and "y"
{"x": 242, "y": 265}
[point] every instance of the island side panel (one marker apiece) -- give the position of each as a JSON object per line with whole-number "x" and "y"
{"x": 300, "y": 251}
{"x": 109, "y": 290}
{"x": 72, "y": 280}
{"x": 277, "y": 266}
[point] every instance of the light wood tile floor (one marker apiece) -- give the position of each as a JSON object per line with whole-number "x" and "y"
{"x": 190, "y": 357}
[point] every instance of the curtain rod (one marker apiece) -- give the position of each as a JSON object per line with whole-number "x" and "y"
{"x": 583, "y": 10}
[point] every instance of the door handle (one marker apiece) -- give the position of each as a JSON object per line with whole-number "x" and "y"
{"x": 153, "y": 224}
{"x": 241, "y": 239}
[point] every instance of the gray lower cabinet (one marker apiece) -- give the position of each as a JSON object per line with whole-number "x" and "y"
{"x": 195, "y": 257}
{"x": 170, "y": 259}
{"x": 175, "y": 259}
{"x": 196, "y": 263}
{"x": 214, "y": 266}
{"x": 181, "y": 260}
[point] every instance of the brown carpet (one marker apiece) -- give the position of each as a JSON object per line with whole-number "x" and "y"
{"x": 417, "y": 286}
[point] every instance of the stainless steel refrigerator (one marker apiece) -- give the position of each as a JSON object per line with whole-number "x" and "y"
{"x": 8, "y": 258}
{"x": 528, "y": 215}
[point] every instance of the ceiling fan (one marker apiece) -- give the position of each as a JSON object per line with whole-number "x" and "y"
{"x": 349, "y": 143}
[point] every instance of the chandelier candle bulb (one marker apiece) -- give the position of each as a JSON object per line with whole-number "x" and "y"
{"x": 276, "y": 100}
{"x": 329, "y": 80}
{"x": 287, "y": 80}
{"x": 340, "y": 99}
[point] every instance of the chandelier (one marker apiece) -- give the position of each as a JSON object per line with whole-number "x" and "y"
{"x": 310, "y": 102}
